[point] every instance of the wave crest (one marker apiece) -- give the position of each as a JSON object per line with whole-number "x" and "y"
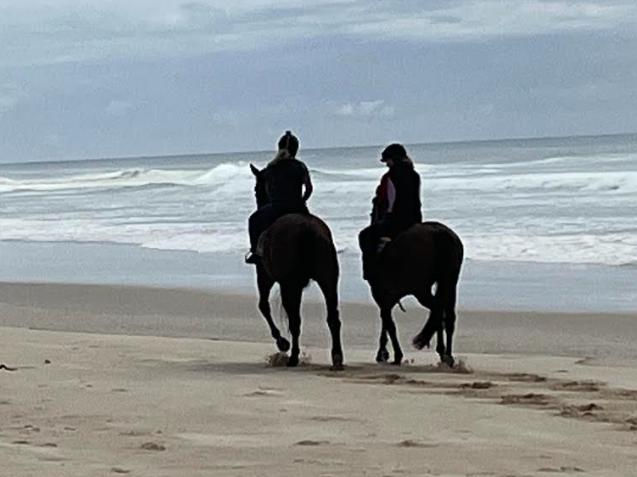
{"x": 134, "y": 177}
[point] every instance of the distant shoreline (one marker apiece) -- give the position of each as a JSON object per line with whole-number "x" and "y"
{"x": 35, "y": 162}
{"x": 502, "y": 286}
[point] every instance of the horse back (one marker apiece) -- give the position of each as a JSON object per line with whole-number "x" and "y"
{"x": 422, "y": 255}
{"x": 299, "y": 247}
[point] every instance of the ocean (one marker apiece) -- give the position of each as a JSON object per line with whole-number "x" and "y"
{"x": 547, "y": 224}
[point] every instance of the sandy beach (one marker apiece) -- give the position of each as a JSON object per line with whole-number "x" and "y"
{"x": 102, "y": 380}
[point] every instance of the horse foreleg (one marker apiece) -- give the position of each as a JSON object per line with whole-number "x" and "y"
{"x": 291, "y": 299}
{"x": 382, "y": 356}
{"x": 333, "y": 321}
{"x": 440, "y": 343}
{"x": 390, "y": 327}
{"x": 265, "y": 283}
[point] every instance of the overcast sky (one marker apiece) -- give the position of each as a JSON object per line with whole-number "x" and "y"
{"x": 106, "y": 78}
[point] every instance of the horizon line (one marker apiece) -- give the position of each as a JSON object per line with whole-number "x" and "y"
{"x": 432, "y": 143}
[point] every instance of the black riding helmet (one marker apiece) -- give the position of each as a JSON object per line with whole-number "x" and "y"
{"x": 396, "y": 152}
{"x": 290, "y": 143}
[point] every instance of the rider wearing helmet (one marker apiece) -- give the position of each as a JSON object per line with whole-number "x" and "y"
{"x": 396, "y": 206}
{"x": 288, "y": 187}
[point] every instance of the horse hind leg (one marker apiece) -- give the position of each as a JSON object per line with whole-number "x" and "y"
{"x": 291, "y": 300}
{"x": 390, "y": 327}
{"x": 328, "y": 287}
{"x": 450, "y": 324}
{"x": 265, "y": 284}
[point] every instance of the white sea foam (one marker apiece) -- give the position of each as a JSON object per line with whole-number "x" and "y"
{"x": 128, "y": 178}
{"x": 549, "y": 209}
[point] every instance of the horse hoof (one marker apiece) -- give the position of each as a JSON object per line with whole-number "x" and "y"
{"x": 293, "y": 361}
{"x": 382, "y": 356}
{"x": 448, "y": 360}
{"x": 398, "y": 358}
{"x": 337, "y": 363}
{"x": 419, "y": 343}
{"x": 283, "y": 344}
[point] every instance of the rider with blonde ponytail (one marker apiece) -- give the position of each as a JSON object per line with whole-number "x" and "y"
{"x": 288, "y": 186}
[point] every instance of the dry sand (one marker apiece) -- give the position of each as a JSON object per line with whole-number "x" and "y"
{"x": 85, "y": 401}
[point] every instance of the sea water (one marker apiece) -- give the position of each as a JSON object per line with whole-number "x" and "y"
{"x": 546, "y": 223}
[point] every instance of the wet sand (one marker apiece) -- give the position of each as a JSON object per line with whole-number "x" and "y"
{"x": 101, "y": 380}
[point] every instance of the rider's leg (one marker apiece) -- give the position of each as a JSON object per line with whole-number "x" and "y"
{"x": 368, "y": 241}
{"x": 258, "y": 222}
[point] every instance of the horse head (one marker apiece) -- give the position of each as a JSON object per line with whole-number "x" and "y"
{"x": 260, "y": 193}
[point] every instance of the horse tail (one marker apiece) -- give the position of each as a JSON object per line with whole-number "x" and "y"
{"x": 307, "y": 251}
{"x": 433, "y": 324}
{"x": 449, "y": 253}
{"x": 318, "y": 260}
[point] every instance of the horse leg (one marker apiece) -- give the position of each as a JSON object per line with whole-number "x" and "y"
{"x": 333, "y": 321}
{"x": 429, "y": 301}
{"x": 291, "y": 299}
{"x": 382, "y": 356}
{"x": 390, "y": 327}
{"x": 450, "y": 324}
{"x": 440, "y": 343}
{"x": 265, "y": 283}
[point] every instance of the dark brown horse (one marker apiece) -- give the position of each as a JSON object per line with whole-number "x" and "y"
{"x": 425, "y": 255}
{"x": 295, "y": 249}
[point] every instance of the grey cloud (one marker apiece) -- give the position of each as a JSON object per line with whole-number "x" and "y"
{"x": 36, "y": 33}
{"x": 444, "y": 19}
{"x": 96, "y": 79}
{"x": 10, "y": 96}
{"x": 118, "y": 107}
{"x": 365, "y": 109}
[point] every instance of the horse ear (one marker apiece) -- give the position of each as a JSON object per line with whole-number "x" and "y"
{"x": 254, "y": 170}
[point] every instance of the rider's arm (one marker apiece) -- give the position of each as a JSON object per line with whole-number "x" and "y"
{"x": 391, "y": 195}
{"x": 307, "y": 183}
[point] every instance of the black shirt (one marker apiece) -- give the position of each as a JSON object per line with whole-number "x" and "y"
{"x": 406, "y": 211}
{"x": 284, "y": 181}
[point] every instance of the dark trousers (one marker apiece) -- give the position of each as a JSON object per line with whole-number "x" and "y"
{"x": 368, "y": 240}
{"x": 265, "y": 216}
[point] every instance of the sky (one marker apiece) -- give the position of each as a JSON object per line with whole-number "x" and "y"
{"x": 114, "y": 78}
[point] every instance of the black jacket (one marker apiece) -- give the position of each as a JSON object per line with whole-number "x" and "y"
{"x": 284, "y": 181}
{"x": 406, "y": 211}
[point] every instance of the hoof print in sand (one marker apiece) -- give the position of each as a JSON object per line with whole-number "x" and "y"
{"x": 526, "y": 378}
{"x": 118, "y": 470}
{"x": 530, "y": 399}
{"x": 582, "y": 386}
{"x": 153, "y": 446}
{"x": 263, "y": 393}
{"x": 561, "y": 469}
{"x": 477, "y": 385}
{"x": 309, "y": 442}
{"x": 412, "y": 443}
{"x": 584, "y": 410}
